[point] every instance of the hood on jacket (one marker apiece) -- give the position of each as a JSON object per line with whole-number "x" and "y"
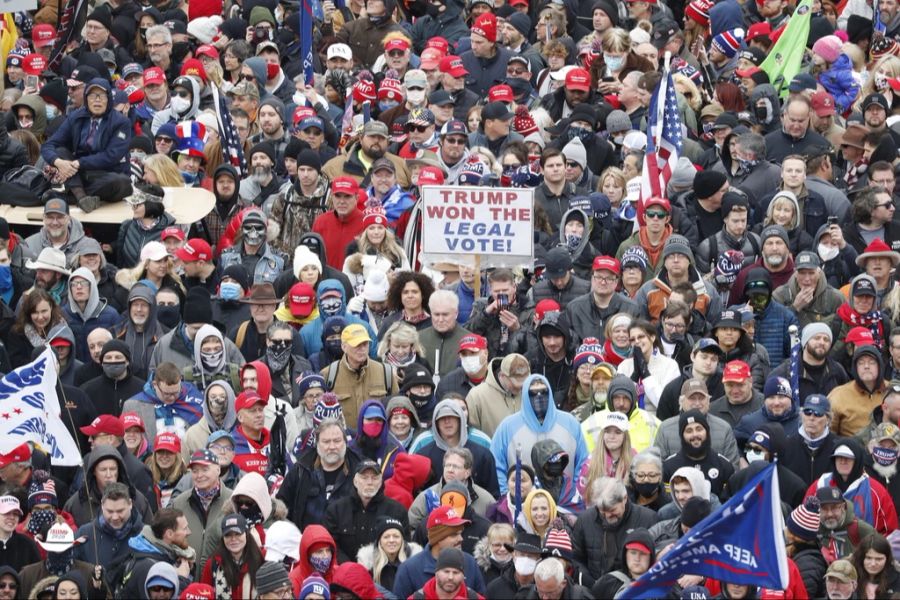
{"x": 195, "y": 100}
{"x": 700, "y": 486}
{"x": 77, "y": 578}
{"x": 7, "y": 570}
{"x": 449, "y": 408}
{"x": 385, "y": 430}
{"x": 768, "y": 93}
{"x": 874, "y": 353}
{"x": 258, "y": 66}
{"x": 98, "y": 454}
{"x": 686, "y": 418}
{"x": 142, "y": 292}
{"x": 585, "y": 238}
{"x": 641, "y": 536}
{"x": 102, "y": 83}
{"x": 411, "y": 471}
{"x": 38, "y": 107}
{"x": 354, "y": 578}
{"x": 621, "y": 384}
{"x": 777, "y": 438}
{"x": 316, "y": 243}
{"x": 793, "y": 200}
{"x": 856, "y": 472}
{"x": 527, "y": 410}
{"x": 226, "y": 168}
{"x": 94, "y": 305}
{"x": 230, "y": 419}
{"x": 405, "y": 403}
{"x": 558, "y": 321}
{"x": 164, "y": 570}
{"x": 329, "y": 285}
{"x": 253, "y": 485}
{"x": 546, "y": 451}
{"x": 316, "y": 535}
{"x": 207, "y": 331}
{"x": 263, "y": 378}
{"x": 529, "y": 500}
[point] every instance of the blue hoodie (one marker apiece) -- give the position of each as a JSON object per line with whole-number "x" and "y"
{"x": 388, "y": 446}
{"x": 522, "y": 430}
{"x": 311, "y": 333}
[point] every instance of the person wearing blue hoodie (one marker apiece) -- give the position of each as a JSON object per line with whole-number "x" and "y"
{"x": 332, "y": 302}
{"x": 85, "y": 310}
{"x": 374, "y": 439}
{"x": 89, "y": 150}
{"x": 537, "y": 420}
{"x": 778, "y": 407}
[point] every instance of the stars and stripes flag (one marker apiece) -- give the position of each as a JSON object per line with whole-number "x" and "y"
{"x": 795, "y": 365}
{"x": 232, "y": 150}
{"x": 306, "y": 39}
{"x": 30, "y": 411}
{"x": 664, "y": 140}
{"x": 65, "y": 28}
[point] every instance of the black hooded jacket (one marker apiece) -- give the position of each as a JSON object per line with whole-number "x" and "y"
{"x": 609, "y": 584}
{"x": 559, "y": 374}
{"x": 790, "y": 486}
{"x": 716, "y": 468}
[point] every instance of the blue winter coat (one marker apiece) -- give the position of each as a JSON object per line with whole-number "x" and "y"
{"x": 419, "y": 568}
{"x": 839, "y": 82}
{"x": 772, "y": 331}
{"x": 311, "y": 333}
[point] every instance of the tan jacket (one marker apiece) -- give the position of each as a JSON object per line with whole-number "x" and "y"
{"x": 489, "y": 403}
{"x": 205, "y": 533}
{"x": 354, "y": 388}
{"x": 852, "y": 407}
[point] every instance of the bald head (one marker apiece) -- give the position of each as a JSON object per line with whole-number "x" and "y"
{"x": 96, "y": 339}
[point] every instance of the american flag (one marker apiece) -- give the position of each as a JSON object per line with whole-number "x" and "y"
{"x": 664, "y": 142}
{"x": 306, "y": 39}
{"x": 795, "y": 365}
{"x": 232, "y": 151}
{"x": 65, "y": 27}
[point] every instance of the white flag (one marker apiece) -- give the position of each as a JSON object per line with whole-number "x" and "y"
{"x": 30, "y": 412}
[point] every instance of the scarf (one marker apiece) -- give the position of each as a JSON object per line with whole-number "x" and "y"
{"x": 859, "y": 493}
{"x": 613, "y": 354}
{"x": 871, "y": 321}
{"x": 40, "y": 521}
{"x": 119, "y": 534}
{"x": 59, "y": 563}
{"x": 180, "y": 409}
{"x": 415, "y": 319}
{"x": 399, "y": 361}
{"x": 206, "y": 497}
{"x": 813, "y": 444}
{"x": 225, "y": 591}
{"x": 36, "y": 339}
{"x": 653, "y": 252}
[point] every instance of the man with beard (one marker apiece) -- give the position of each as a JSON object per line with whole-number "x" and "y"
{"x": 819, "y": 373}
{"x": 707, "y": 360}
{"x": 855, "y": 401}
{"x": 110, "y": 530}
{"x": 778, "y": 407}
{"x": 321, "y": 475}
{"x": 298, "y": 207}
{"x": 60, "y": 231}
{"x": 253, "y": 251}
{"x": 836, "y": 521}
{"x": 776, "y": 259}
{"x": 270, "y": 118}
{"x": 453, "y": 150}
{"x": 225, "y": 187}
{"x": 372, "y": 145}
{"x": 50, "y": 274}
{"x": 355, "y": 518}
{"x": 884, "y": 448}
{"x": 263, "y": 186}
{"x": 156, "y": 96}
{"x": 696, "y": 450}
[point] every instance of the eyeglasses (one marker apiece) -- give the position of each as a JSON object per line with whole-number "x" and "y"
{"x": 675, "y": 326}
{"x": 887, "y": 205}
{"x": 419, "y": 128}
{"x": 652, "y": 214}
{"x": 647, "y": 476}
{"x": 604, "y": 279}
{"x": 182, "y": 93}
{"x": 96, "y": 96}
{"x": 396, "y": 53}
{"x": 571, "y": 164}
{"x": 79, "y": 283}
{"x": 456, "y": 141}
{"x": 811, "y": 413}
{"x": 155, "y": 46}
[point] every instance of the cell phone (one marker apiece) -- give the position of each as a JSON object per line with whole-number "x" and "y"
{"x": 502, "y": 301}
{"x": 608, "y": 79}
{"x": 832, "y": 220}
{"x": 31, "y": 81}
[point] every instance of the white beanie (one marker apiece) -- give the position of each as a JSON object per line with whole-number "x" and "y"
{"x": 204, "y": 28}
{"x": 815, "y": 329}
{"x": 575, "y": 152}
{"x": 303, "y": 257}
{"x": 376, "y": 287}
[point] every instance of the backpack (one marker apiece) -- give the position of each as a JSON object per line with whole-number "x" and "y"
{"x": 626, "y": 582}
{"x": 120, "y": 573}
{"x": 30, "y": 180}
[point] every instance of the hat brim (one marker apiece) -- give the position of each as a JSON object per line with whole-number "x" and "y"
{"x": 894, "y": 256}
{"x": 37, "y": 264}
{"x": 272, "y": 300}
{"x": 55, "y": 547}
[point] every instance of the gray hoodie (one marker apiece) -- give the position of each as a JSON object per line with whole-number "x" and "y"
{"x": 162, "y": 570}
{"x": 94, "y": 304}
{"x": 449, "y": 408}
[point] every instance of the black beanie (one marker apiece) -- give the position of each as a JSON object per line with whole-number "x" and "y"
{"x": 730, "y": 200}
{"x": 309, "y": 158}
{"x": 239, "y": 274}
{"x": 116, "y": 346}
{"x": 858, "y": 28}
{"x": 609, "y": 9}
{"x": 266, "y": 148}
{"x": 707, "y": 183}
{"x": 103, "y": 16}
{"x": 294, "y": 148}
{"x": 197, "y": 306}
{"x": 695, "y": 510}
{"x": 141, "y": 142}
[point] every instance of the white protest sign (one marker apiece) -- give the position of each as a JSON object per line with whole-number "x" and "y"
{"x": 494, "y": 224}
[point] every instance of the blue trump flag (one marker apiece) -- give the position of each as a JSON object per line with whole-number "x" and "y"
{"x": 306, "y": 39}
{"x": 741, "y": 543}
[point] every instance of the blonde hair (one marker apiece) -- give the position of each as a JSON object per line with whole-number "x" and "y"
{"x": 165, "y": 169}
{"x": 616, "y": 40}
{"x": 526, "y": 509}
{"x": 403, "y": 333}
{"x": 389, "y": 246}
{"x": 769, "y": 220}
{"x": 171, "y": 475}
{"x": 488, "y": 158}
{"x": 617, "y": 174}
{"x": 684, "y": 84}
{"x": 598, "y": 464}
{"x": 381, "y": 558}
{"x": 502, "y": 530}
{"x": 889, "y": 63}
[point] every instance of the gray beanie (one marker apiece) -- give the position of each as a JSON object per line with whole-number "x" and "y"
{"x": 815, "y": 329}
{"x": 275, "y": 103}
{"x": 618, "y": 120}
{"x": 576, "y": 152}
{"x": 774, "y": 231}
{"x": 683, "y": 176}
{"x": 271, "y": 576}
{"x": 678, "y": 244}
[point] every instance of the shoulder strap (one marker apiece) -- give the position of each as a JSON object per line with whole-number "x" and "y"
{"x": 331, "y": 376}
{"x": 753, "y": 243}
{"x": 853, "y": 531}
{"x": 388, "y": 377}
{"x": 713, "y": 251}
{"x": 241, "y": 334}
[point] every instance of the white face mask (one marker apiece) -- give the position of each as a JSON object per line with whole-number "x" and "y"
{"x": 502, "y": 561}
{"x": 180, "y": 105}
{"x": 826, "y": 253}
{"x": 299, "y": 99}
{"x": 524, "y": 565}
{"x": 755, "y": 455}
{"x": 415, "y": 97}
{"x": 471, "y": 364}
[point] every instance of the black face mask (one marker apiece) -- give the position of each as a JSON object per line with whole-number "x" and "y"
{"x": 333, "y": 347}
{"x": 646, "y": 490}
{"x": 540, "y": 402}
{"x": 419, "y": 401}
{"x": 554, "y": 469}
{"x": 169, "y": 316}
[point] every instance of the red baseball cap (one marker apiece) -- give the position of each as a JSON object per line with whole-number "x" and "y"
{"x": 104, "y": 424}
{"x": 453, "y": 66}
{"x": 396, "y": 44}
{"x": 430, "y": 176}
{"x": 43, "y": 34}
{"x": 301, "y": 299}
{"x": 430, "y": 59}
{"x": 578, "y": 79}
{"x": 132, "y": 419}
{"x": 446, "y": 516}
{"x": 207, "y": 50}
{"x": 175, "y": 232}
{"x": 344, "y": 185}
{"x": 439, "y": 43}
{"x": 657, "y": 201}
{"x": 823, "y": 103}
{"x": 301, "y": 112}
{"x": 247, "y": 399}
{"x": 34, "y": 64}
{"x": 20, "y": 453}
{"x": 154, "y": 76}
{"x": 638, "y": 546}
{"x": 501, "y": 93}
{"x": 736, "y": 370}
{"x": 518, "y": 2}
{"x": 193, "y": 66}
{"x": 544, "y": 306}
{"x": 748, "y": 72}
{"x": 198, "y": 591}
{"x": 473, "y": 341}
{"x": 606, "y": 263}
{"x": 195, "y": 249}
{"x": 60, "y": 342}
{"x": 167, "y": 441}
{"x": 757, "y": 29}
{"x": 861, "y": 336}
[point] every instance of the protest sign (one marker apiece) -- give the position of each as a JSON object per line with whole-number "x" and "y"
{"x": 492, "y": 225}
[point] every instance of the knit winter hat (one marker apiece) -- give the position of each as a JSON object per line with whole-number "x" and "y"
{"x": 698, "y": 10}
{"x": 728, "y": 265}
{"x": 635, "y": 256}
{"x": 695, "y": 510}
{"x": 309, "y": 158}
{"x": 304, "y": 257}
{"x": 363, "y": 90}
{"x": 42, "y": 490}
{"x": 375, "y": 289}
{"x": 814, "y": 329}
{"x": 314, "y": 584}
{"x": 263, "y": 148}
{"x": 707, "y": 183}
{"x": 803, "y": 521}
{"x": 557, "y": 543}
{"x": 678, "y": 244}
{"x": 261, "y": 14}
{"x": 684, "y": 174}
{"x": 390, "y": 89}
{"x": 524, "y": 124}
{"x": 576, "y": 152}
{"x": 197, "y": 306}
{"x": 374, "y": 214}
{"x": 472, "y": 172}
{"x": 590, "y": 352}
{"x": 386, "y": 523}
{"x": 828, "y": 47}
{"x": 327, "y": 407}
{"x": 729, "y": 42}
{"x": 273, "y": 576}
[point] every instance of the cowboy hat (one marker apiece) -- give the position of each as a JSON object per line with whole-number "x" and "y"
{"x": 50, "y": 259}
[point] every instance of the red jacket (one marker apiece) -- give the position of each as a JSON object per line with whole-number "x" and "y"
{"x": 337, "y": 233}
{"x": 411, "y": 472}
{"x": 429, "y": 592}
{"x": 883, "y": 509}
{"x": 313, "y": 535}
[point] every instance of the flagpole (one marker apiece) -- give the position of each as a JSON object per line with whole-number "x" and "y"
{"x": 661, "y": 106}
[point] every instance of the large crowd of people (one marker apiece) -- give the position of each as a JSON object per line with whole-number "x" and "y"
{"x": 286, "y": 399}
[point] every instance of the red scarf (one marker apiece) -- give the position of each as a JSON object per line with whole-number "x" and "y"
{"x": 871, "y": 321}
{"x": 611, "y": 355}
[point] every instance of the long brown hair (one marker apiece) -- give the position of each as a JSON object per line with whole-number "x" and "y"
{"x": 29, "y": 304}
{"x": 252, "y": 557}
{"x": 879, "y": 544}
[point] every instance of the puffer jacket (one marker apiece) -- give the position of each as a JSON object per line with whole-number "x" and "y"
{"x": 771, "y": 327}
{"x": 841, "y": 84}
{"x": 311, "y": 333}
{"x": 133, "y": 235}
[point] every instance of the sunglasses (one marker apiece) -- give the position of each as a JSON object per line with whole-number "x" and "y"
{"x": 811, "y": 413}
{"x": 250, "y": 78}
{"x": 885, "y": 205}
{"x": 419, "y": 128}
{"x": 456, "y": 141}
{"x": 8, "y": 586}
{"x": 396, "y": 53}
{"x": 515, "y": 71}
{"x": 164, "y": 140}
{"x": 652, "y": 214}
{"x": 182, "y": 94}
{"x": 572, "y": 164}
